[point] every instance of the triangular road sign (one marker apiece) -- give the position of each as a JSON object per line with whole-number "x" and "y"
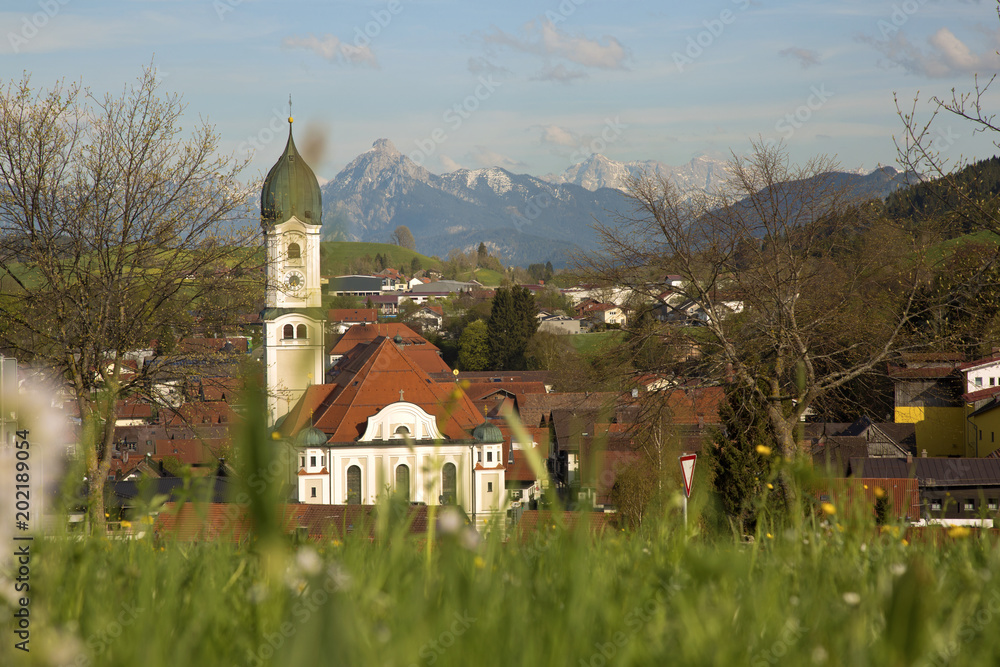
{"x": 687, "y": 470}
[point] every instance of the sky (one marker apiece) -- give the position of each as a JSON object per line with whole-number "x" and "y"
{"x": 533, "y": 87}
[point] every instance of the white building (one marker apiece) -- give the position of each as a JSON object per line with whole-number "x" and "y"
{"x": 294, "y": 324}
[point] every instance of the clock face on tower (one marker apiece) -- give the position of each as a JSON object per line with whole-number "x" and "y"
{"x": 294, "y": 281}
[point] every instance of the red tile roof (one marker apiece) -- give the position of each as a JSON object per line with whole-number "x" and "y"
{"x": 352, "y": 315}
{"x": 980, "y": 394}
{"x": 532, "y": 521}
{"x": 368, "y": 382}
{"x": 903, "y": 494}
{"x": 190, "y": 451}
{"x": 426, "y": 354}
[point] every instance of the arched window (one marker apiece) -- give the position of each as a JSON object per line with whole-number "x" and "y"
{"x": 403, "y": 481}
{"x": 354, "y": 485}
{"x": 288, "y": 331}
{"x": 301, "y": 331}
{"x": 401, "y": 432}
{"x": 294, "y": 252}
{"x": 448, "y": 484}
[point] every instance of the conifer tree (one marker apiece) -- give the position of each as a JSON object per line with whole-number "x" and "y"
{"x": 511, "y": 325}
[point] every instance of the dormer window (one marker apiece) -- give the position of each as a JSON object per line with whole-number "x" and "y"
{"x": 402, "y": 432}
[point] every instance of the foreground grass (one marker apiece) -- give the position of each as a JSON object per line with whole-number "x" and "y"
{"x": 845, "y": 595}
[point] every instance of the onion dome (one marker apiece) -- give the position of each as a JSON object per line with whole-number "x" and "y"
{"x": 311, "y": 437}
{"x": 290, "y": 189}
{"x": 487, "y": 432}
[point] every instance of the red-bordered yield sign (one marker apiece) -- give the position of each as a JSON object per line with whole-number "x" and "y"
{"x": 687, "y": 470}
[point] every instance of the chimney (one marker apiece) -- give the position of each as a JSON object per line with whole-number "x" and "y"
{"x": 909, "y": 458}
{"x": 923, "y": 454}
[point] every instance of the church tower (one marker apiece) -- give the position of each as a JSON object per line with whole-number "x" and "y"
{"x": 294, "y": 322}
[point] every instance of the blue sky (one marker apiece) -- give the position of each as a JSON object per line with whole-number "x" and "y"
{"x": 530, "y": 86}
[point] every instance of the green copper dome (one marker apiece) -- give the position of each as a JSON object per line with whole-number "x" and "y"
{"x": 290, "y": 189}
{"x": 487, "y": 432}
{"x": 311, "y": 437}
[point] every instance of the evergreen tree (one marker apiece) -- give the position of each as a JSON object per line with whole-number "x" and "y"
{"x": 740, "y": 470}
{"x": 482, "y": 254}
{"x": 511, "y": 325}
{"x": 473, "y": 347}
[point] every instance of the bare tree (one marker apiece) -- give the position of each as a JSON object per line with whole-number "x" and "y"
{"x": 113, "y": 227}
{"x": 785, "y": 277}
{"x": 403, "y": 237}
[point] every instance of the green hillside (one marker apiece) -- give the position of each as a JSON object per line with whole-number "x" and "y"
{"x": 336, "y": 256}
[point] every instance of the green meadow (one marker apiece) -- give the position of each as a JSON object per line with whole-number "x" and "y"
{"x": 833, "y": 591}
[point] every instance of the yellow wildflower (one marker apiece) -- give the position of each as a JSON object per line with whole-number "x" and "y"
{"x": 959, "y": 531}
{"x": 829, "y": 508}
{"x": 763, "y": 450}
{"x": 770, "y": 536}
{"x": 480, "y": 563}
{"x": 770, "y": 486}
{"x": 879, "y": 492}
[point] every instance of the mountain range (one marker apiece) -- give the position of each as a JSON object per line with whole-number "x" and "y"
{"x": 523, "y": 219}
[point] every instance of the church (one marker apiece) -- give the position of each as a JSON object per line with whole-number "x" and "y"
{"x": 378, "y": 423}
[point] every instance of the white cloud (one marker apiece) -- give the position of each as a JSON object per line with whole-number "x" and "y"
{"x": 806, "y": 57}
{"x": 332, "y": 49}
{"x": 448, "y": 163}
{"x": 560, "y": 136}
{"x": 559, "y": 73}
{"x": 543, "y": 38}
{"x": 487, "y": 158}
{"x": 946, "y": 55}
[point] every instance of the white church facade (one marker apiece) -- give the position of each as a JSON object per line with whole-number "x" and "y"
{"x": 380, "y": 424}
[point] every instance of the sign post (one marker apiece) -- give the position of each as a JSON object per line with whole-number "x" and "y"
{"x": 687, "y": 462}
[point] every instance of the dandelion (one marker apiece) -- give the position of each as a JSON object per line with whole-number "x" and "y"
{"x": 770, "y": 536}
{"x": 770, "y": 486}
{"x": 959, "y": 531}
{"x": 829, "y": 508}
{"x": 852, "y": 598}
{"x": 763, "y": 450}
{"x": 126, "y": 525}
{"x": 879, "y": 492}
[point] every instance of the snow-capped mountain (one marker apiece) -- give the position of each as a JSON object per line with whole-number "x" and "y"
{"x": 525, "y": 218}
{"x": 702, "y": 173}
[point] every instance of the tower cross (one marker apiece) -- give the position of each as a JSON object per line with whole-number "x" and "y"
{"x": 400, "y": 394}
